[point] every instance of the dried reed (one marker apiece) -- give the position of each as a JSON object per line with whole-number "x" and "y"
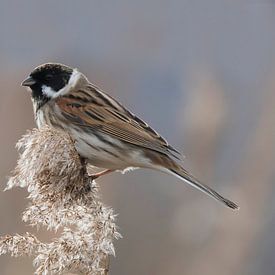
{"x": 62, "y": 196}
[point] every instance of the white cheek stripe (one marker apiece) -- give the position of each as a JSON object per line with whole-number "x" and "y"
{"x": 49, "y": 92}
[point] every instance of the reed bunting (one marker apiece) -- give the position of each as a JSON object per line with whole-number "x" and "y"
{"x": 106, "y": 134}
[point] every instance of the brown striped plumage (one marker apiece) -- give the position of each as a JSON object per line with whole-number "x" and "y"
{"x": 106, "y": 134}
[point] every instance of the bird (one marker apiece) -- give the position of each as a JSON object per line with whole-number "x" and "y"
{"x": 105, "y": 133}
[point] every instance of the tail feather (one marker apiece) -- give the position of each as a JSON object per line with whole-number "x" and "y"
{"x": 184, "y": 175}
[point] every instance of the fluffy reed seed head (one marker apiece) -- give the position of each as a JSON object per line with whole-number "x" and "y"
{"x": 61, "y": 197}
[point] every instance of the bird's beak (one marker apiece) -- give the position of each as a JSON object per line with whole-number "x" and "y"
{"x": 28, "y": 82}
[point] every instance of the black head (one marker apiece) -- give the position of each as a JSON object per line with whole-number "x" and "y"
{"x": 47, "y": 80}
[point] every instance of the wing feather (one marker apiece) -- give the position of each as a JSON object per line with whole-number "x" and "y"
{"x": 95, "y": 110}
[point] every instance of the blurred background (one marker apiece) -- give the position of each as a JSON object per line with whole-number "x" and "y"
{"x": 202, "y": 74}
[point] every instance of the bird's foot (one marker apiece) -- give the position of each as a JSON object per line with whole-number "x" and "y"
{"x": 99, "y": 174}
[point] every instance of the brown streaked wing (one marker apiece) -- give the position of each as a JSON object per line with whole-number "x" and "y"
{"x": 113, "y": 120}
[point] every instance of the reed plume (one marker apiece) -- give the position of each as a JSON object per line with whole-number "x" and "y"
{"x": 61, "y": 197}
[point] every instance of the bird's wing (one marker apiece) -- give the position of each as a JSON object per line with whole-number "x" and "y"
{"x": 91, "y": 108}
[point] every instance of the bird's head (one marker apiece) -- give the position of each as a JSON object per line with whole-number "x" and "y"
{"x": 51, "y": 80}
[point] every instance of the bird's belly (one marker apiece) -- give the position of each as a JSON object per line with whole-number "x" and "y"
{"x": 98, "y": 156}
{"x": 106, "y": 152}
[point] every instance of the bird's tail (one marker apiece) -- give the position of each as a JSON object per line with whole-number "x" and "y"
{"x": 182, "y": 174}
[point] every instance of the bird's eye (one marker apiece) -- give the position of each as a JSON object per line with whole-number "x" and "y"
{"x": 49, "y": 77}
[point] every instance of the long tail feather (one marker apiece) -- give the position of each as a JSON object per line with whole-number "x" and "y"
{"x": 185, "y": 176}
